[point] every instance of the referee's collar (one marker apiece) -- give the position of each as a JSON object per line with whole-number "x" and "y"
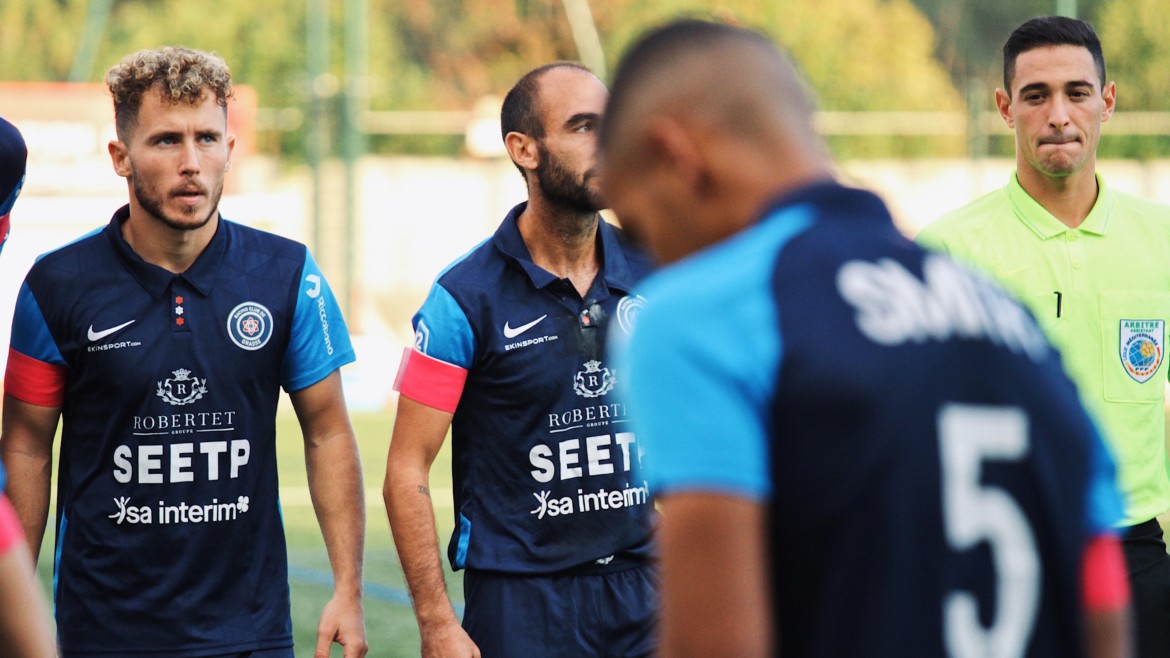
{"x": 615, "y": 270}
{"x": 1045, "y": 225}
{"x": 154, "y": 279}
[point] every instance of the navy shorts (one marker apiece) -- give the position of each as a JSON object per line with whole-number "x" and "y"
{"x": 611, "y": 615}
{"x": 261, "y": 653}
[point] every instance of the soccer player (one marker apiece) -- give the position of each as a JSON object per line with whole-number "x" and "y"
{"x": 551, "y": 524}
{"x": 24, "y": 628}
{"x": 13, "y": 159}
{"x": 1093, "y": 264}
{"x": 860, "y": 449}
{"x": 162, "y": 340}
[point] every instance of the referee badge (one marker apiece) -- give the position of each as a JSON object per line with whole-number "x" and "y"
{"x": 250, "y": 325}
{"x": 1142, "y": 342}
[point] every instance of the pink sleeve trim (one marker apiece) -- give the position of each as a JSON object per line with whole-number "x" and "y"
{"x": 430, "y": 381}
{"x": 1104, "y": 584}
{"x": 11, "y": 533}
{"x": 33, "y": 381}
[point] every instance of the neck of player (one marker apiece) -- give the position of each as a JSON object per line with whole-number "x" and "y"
{"x": 172, "y": 249}
{"x": 1069, "y": 198}
{"x": 562, "y": 241}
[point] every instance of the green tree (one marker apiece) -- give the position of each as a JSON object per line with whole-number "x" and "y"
{"x": 446, "y": 54}
{"x": 858, "y": 55}
{"x": 1135, "y": 37}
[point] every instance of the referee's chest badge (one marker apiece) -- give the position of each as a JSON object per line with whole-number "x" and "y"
{"x": 250, "y": 325}
{"x": 1143, "y": 342}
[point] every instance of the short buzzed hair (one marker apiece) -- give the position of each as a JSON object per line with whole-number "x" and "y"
{"x": 662, "y": 48}
{"x": 1047, "y": 31}
{"x": 179, "y": 75}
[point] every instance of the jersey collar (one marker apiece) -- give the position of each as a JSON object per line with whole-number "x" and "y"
{"x": 615, "y": 270}
{"x": 1045, "y": 225}
{"x": 201, "y": 275}
{"x": 832, "y": 196}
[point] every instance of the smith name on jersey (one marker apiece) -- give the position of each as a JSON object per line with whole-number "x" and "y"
{"x": 167, "y": 499}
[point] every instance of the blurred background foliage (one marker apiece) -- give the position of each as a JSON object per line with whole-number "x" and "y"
{"x": 445, "y": 55}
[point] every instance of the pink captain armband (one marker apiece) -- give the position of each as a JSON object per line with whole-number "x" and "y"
{"x": 1104, "y": 584}
{"x": 11, "y": 533}
{"x": 430, "y": 381}
{"x": 33, "y": 381}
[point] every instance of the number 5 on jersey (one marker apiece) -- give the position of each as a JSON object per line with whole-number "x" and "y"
{"x": 969, "y": 435}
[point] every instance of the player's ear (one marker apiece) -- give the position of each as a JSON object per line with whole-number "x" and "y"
{"x": 120, "y": 156}
{"x": 669, "y": 142}
{"x": 1003, "y": 101}
{"x": 1109, "y": 95}
{"x": 522, "y": 149}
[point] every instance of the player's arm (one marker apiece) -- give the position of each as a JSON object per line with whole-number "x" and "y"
{"x": 1105, "y": 596}
{"x": 419, "y": 432}
{"x": 24, "y": 626}
{"x": 26, "y": 446}
{"x": 335, "y": 485}
{"x": 714, "y": 576}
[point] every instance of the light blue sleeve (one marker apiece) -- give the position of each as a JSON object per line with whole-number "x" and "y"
{"x": 700, "y": 381}
{"x": 1105, "y": 505}
{"x": 442, "y": 330}
{"x": 30, "y": 332}
{"x": 320, "y": 342}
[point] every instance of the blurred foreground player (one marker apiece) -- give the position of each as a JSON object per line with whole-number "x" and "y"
{"x": 860, "y": 449}
{"x": 163, "y": 341}
{"x": 550, "y": 522}
{"x": 24, "y": 624}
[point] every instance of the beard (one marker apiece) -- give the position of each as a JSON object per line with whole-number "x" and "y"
{"x": 152, "y": 200}
{"x": 563, "y": 187}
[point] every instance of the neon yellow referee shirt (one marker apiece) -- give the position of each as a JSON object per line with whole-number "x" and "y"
{"x": 1101, "y": 292}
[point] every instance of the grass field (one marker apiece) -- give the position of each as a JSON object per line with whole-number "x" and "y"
{"x": 390, "y": 623}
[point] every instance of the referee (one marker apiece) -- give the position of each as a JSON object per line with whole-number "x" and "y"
{"x": 1093, "y": 265}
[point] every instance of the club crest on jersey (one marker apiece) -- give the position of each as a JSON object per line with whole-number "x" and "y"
{"x": 250, "y": 325}
{"x": 594, "y": 381}
{"x": 627, "y": 311}
{"x": 181, "y": 388}
{"x": 1142, "y": 342}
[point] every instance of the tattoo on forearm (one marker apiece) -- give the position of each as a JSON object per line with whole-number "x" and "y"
{"x": 424, "y": 490}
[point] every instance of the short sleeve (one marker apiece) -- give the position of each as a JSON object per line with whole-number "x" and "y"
{"x": 434, "y": 370}
{"x": 319, "y": 343}
{"x": 36, "y": 371}
{"x": 699, "y": 396}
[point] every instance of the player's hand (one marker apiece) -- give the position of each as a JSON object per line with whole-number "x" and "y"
{"x": 448, "y": 640}
{"x": 343, "y": 622}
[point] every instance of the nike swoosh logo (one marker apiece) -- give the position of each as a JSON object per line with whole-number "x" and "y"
{"x": 509, "y": 332}
{"x": 98, "y": 335}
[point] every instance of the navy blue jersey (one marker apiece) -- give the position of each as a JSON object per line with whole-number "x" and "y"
{"x": 13, "y": 156}
{"x": 931, "y": 477}
{"x": 542, "y": 453}
{"x": 169, "y": 536}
